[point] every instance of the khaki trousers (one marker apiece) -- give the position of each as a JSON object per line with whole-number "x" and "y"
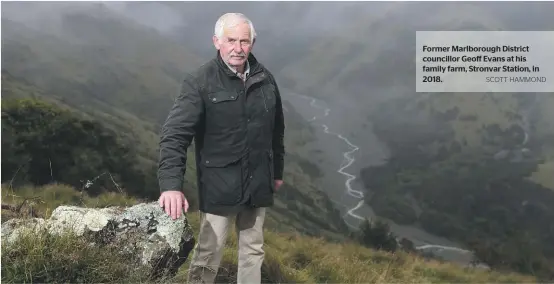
{"x": 211, "y": 241}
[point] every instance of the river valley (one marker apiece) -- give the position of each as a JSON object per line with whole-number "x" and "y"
{"x": 344, "y": 145}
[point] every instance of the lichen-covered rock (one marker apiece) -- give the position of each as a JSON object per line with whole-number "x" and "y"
{"x": 143, "y": 230}
{"x": 14, "y": 228}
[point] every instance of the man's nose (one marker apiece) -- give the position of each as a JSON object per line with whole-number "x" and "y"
{"x": 237, "y": 47}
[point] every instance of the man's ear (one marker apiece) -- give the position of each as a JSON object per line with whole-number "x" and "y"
{"x": 216, "y": 42}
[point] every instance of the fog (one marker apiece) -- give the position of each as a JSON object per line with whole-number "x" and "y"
{"x": 351, "y": 56}
{"x": 288, "y": 30}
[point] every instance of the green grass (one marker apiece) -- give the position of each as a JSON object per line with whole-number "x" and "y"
{"x": 44, "y": 199}
{"x": 293, "y": 258}
{"x": 290, "y": 257}
{"x": 44, "y": 258}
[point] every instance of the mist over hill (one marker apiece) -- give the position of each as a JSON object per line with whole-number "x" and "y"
{"x": 122, "y": 62}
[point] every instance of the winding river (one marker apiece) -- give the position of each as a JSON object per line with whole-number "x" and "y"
{"x": 350, "y": 196}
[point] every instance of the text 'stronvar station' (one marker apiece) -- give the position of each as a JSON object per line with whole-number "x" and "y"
{"x": 485, "y": 61}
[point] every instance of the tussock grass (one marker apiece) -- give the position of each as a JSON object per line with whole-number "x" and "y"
{"x": 293, "y": 258}
{"x": 290, "y": 257}
{"x": 44, "y": 258}
{"x": 41, "y": 201}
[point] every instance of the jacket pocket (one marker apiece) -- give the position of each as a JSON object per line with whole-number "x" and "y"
{"x": 222, "y": 180}
{"x": 223, "y": 110}
{"x": 222, "y": 97}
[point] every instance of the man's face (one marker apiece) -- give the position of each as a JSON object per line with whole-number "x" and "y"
{"x": 235, "y": 44}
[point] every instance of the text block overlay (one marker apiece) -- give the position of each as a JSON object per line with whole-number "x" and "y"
{"x": 485, "y": 61}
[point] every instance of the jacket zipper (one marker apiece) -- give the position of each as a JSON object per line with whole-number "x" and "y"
{"x": 245, "y": 90}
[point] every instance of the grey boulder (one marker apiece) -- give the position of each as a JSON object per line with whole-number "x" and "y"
{"x": 143, "y": 230}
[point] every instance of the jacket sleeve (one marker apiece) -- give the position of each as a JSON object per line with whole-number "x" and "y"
{"x": 278, "y": 136}
{"x": 177, "y": 134}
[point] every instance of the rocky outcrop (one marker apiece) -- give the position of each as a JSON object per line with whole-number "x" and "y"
{"x": 144, "y": 231}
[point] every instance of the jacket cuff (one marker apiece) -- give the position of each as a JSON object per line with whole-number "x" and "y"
{"x": 167, "y": 184}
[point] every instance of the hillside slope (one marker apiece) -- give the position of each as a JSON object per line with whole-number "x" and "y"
{"x": 109, "y": 68}
{"x": 290, "y": 257}
{"x": 475, "y": 168}
{"x": 463, "y": 166}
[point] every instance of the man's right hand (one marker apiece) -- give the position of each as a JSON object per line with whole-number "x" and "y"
{"x": 173, "y": 201}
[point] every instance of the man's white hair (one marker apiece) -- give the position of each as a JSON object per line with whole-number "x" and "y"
{"x": 230, "y": 20}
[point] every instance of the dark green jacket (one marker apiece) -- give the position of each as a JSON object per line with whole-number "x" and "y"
{"x": 238, "y": 129}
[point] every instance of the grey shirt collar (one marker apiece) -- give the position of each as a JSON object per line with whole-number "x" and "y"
{"x": 246, "y": 71}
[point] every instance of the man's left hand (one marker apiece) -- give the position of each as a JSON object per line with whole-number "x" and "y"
{"x": 278, "y": 183}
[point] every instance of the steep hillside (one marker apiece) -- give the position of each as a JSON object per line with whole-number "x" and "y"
{"x": 88, "y": 53}
{"x": 124, "y": 72}
{"x": 461, "y": 165}
{"x": 111, "y": 69}
{"x": 475, "y": 168}
{"x": 290, "y": 257}
{"x": 542, "y": 117}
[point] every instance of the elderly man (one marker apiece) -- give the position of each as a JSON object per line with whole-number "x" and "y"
{"x": 231, "y": 106}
